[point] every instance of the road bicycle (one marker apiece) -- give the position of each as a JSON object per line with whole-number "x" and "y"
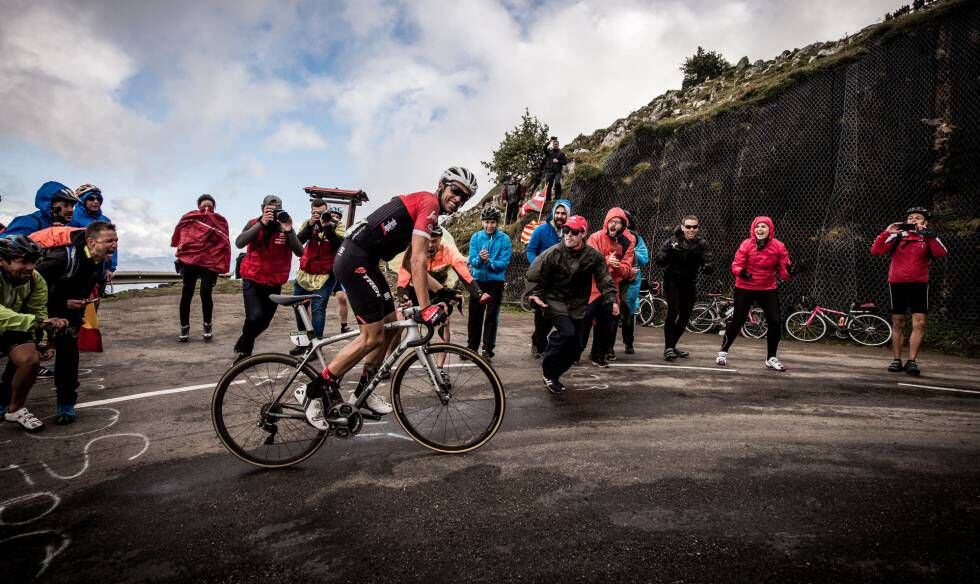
{"x": 857, "y": 323}
{"x": 258, "y": 407}
{"x": 652, "y": 310}
{"x": 708, "y": 316}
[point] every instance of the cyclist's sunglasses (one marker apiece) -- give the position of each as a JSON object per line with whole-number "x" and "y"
{"x": 460, "y": 192}
{"x": 567, "y": 230}
{"x": 695, "y": 226}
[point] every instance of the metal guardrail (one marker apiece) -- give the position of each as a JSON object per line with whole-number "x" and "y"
{"x": 150, "y": 277}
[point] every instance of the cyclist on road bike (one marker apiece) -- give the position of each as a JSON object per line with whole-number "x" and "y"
{"x": 404, "y": 223}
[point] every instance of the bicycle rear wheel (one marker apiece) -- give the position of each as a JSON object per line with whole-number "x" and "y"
{"x": 702, "y": 318}
{"x": 645, "y": 312}
{"x": 467, "y": 419}
{"x": 755, "y": 326}
{"x": 798, "y": 328}
{"x": 870, "y": 330}
{"x": 659, "y": 312}
{"x": 255, "y": 427}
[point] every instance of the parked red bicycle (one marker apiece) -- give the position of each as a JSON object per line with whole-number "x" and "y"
{"x": 857, "y": 323}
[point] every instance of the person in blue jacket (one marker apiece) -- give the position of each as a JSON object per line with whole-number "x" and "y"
{"x": 631, "y": 300}
{"x": 55, "y": 204}
{"x": 89, "y": 209}
{"x": 543, "y": 237}
{"x": 490, "y": 251}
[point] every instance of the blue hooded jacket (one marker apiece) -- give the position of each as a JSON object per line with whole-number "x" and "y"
{"x": 40, "y": 219}
{"x": 642, "y": 258}
{"x": 545, "y": 235}
{"x": 499, "y": 247}
{"x": 82, "y": 217}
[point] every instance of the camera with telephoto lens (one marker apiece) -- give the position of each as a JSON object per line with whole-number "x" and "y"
{"x": 281, "y": 216}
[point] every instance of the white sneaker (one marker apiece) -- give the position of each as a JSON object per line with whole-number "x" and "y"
{"x": 722, "y": 358}
{"x": 375, "y": 402}
{"x": 25, "y": 418}
{"x": 314, "y": 414}
{"x": 774, "y": 364}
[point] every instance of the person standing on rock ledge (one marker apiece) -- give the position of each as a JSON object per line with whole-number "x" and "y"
{"x": 554, "y": 161}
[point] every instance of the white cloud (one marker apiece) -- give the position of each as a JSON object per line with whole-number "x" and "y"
{"x": 142, "y": 232}
{"x": 295, "y": 136}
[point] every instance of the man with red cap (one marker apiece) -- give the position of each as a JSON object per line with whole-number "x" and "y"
{"x": 560, "y": 282}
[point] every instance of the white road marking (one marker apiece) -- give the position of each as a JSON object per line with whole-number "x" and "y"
{"x": 942, "y": 388}
{"x": 113, "y": 400}
{"x": 714, "y": 369}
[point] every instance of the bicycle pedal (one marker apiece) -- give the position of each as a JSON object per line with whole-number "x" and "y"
{"x": 369, "y": 415}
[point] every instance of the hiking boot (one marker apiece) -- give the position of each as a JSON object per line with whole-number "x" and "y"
{"x": 629, "y": 350}
{"x": 611, "y": 355}
{"x": 240, "y": 356}
{"x": 722, "y": 359}
{"x": 45, "y": 373}
{"x": 774, "y": 364}
{"x": 670, "y": 354}
{"x": 536, "y": 353}
{"x": 911, "y": 368}
{"x": 554, "y": 386}
{"x": 682, "y": 354}
{"x": 208, "y": 333}
{"x": 487, "y": 354}
{"x": 25, "y": 418}
{"x": 896, "y": 366}
{"x": 600, "y": 362}
{"x": 344, "y": 328}
{"x": 64, "y": 415}
{"x": 185, "y": 334}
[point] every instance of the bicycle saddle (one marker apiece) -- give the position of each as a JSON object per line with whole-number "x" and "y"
{"x": 289, "y": 300}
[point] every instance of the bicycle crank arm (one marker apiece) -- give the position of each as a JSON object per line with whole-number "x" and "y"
{"x": 368, "y": 415}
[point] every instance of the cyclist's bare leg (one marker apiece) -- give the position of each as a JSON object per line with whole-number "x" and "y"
{"x": 918, "y": 331}
{"x": 371, "y": 338}
{"x": 28, "y": 361}
{"x": 898, "y": 338}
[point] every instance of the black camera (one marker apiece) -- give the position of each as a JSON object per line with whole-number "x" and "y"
{"x": 281, "y": 216}
{"x": 907, "y": 226}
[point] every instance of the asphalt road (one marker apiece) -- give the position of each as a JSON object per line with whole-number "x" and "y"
{"x": 647, "y": 472}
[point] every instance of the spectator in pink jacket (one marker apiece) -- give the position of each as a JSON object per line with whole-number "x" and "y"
{"x": 758, "y": 261}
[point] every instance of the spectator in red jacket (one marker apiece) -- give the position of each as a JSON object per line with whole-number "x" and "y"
{"x": 911, "y": 245}
{"x": 203, "y": 252}
{"x": 618, "y": 246}
{"x": 758, "y": 261}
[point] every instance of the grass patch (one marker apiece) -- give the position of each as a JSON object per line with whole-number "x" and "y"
{"x": 585, "y": 173}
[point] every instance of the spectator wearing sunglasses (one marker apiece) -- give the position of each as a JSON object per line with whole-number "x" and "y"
{"x": 88, "y": 209}
{"x": 560, "y": 282}
{"x": 682, "y": 256}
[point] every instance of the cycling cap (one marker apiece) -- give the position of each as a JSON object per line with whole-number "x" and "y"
{"x": 87, "y": 189}
{"x": 19, "y": 246}
{"x": 436, "y": 231}
{"x": 272, "y": 200}
{"x": 577, "y": 222}
{"x": 920, "y": 210}
{"x": 462, "y": 176}
{"x": 490, "y": 213}
{"x": 64, "y": 194}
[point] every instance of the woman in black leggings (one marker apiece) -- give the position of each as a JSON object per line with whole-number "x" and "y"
{"x": 681, "y": 256}
{"x": 758, "y": 261}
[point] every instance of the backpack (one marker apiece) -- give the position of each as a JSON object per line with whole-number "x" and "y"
{"x": 55, "y": 237}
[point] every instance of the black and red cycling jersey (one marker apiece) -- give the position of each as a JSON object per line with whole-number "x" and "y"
{"x": 388, "y": 230}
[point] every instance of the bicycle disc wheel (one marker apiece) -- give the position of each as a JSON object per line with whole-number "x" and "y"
{"x": 645, "y": 313}
{"x": 252, "y": 425}
{"x": 659, "y": 312}
{"x": 870, "y": 330}
{"x": 797, "y": 327}
{"x": 467, "y": 419}
{"x": 702, "y": 318}
{"x": 755, "y": 326}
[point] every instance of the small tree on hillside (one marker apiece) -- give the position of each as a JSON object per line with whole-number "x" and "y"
{"x": 702, "y": 65}
{"x": 521, "y": 151}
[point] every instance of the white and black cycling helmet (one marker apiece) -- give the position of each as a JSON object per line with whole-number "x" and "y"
{"x": 920, "y": 210}
{"x": 460, "y": 175}
{"x": 436, "y": 231}
{"x": 19, "y": 246}
{"x": 64, "y": 194}
{"x": 490, "y": 213}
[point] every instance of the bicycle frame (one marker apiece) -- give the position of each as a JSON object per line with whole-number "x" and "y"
{"x": 821, "y": 313}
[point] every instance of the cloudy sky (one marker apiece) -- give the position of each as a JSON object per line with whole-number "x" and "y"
{"x": 157, "y": 102}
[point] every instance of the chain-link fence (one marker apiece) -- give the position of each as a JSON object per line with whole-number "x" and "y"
{"x": 833, "y": 161}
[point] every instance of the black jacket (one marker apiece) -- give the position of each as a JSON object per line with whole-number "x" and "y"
{"x": 681, "y": 259}
{"x": 549, "y": 165}
{"x": 562, "y": 278}
{"x": 70, "y": 275}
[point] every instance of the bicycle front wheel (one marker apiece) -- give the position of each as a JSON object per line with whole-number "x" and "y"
{"x": 702, "y": 318}
{"x": 252, "y": 424}
{"x": 645, "y": 313}
{"x": 755, "y": 326}
{"x": 659, "y": 312}
{"x": 798, "y": 328}
{"x": 870, "y": 330}
{"x": 463, "y": 417}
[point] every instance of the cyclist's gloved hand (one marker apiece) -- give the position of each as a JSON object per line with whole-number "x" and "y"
{"x": 432, "y": 314}
{"x": 447, "y": 295}
{"x": 745, "y": 274}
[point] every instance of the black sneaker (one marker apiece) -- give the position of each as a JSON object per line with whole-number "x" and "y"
{"x": 896, "y": 366}
{"x": 297, "y": 351}
{"x": 629, "y": 350}
{"x": 487, "y": 354}
{"x": 670, "y": 354}
{"x": 554, "y": 386}
{"x": 911, "y": 368}
{"x": 611, "y": 355}
{"x": 600, "y": 362}
{"x": 208, "y": 333}
{"x": 682, "y": 354}
{"x": 536, "y": 353}
{"x": 240, "y": 356}
{"x": 45, "y": 373}
{"x": 344, "y": 328}
{"x": 185, "y": 334}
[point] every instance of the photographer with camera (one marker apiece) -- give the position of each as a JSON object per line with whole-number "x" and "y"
{"x": 912, "y": 245}
{"x": 321, "y": 236}
{"x": 270, "y": 242}
{"x": 23, "y": 325}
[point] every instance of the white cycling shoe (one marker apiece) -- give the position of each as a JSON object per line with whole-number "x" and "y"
{"x": 774, "y": 364}
{"x": 375, "y": 402}
{"x": 25, "y": 419}
{"x": 314, "y": 414}
{"x": 722, "y": 359}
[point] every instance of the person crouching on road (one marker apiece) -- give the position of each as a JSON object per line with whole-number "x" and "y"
{"x": 321, "y": 237}
{"x": 681, "y": 256}
{"x": 560, "y": 282}
{"x": 912, "y": 246}
{"x": 271, "y": 243}
{"x": 617, "y": 246}
{"x": 203, "y": 253}
{"x": 758, "y": 261}
{"x": 490, "y": 252}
